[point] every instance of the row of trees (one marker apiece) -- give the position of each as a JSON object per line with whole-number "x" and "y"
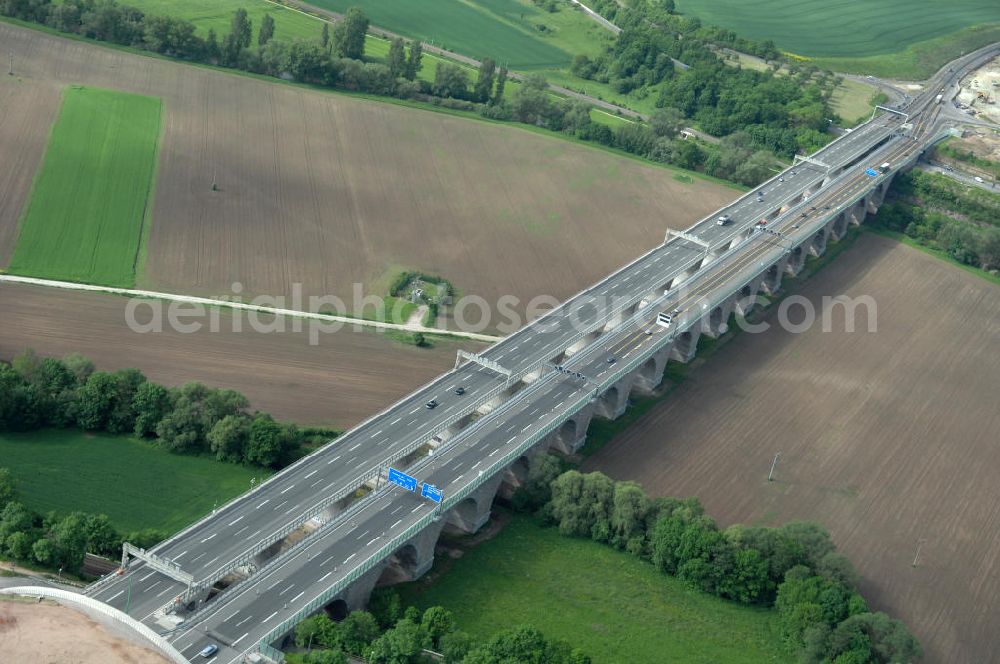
{"x": 942, "y": 214}
{"x": 794, "y": 568}
{"x": 38, "y": 392}
{"x": 388, "y": 635}
{"x": 54, "y": 541}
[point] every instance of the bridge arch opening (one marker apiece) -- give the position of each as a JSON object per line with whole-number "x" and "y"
{"x": 401, "y": 566}
{"x": 336, "y": 610}
{"x": 610, "y": 398}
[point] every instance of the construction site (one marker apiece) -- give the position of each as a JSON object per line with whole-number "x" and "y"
{"x": 978, "y": 96}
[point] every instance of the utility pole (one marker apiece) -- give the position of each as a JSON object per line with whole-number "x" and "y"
{"x": 10, "y": 67}
{"x": 774, "y": 463}
{"x": 920, "y": 543}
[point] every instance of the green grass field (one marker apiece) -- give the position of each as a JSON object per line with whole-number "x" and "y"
{"x": 84, "y": 220}
{"x": 846, "y": 34}
{"x": 615, "y": 607}
{"x": 135, "y": 484}
{"x": 506, "y": 30}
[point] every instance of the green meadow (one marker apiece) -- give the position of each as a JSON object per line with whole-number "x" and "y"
{"x": 92, "y": 196}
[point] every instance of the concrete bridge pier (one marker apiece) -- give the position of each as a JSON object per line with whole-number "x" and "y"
{"x": 686, "y": 344}
{"x": 795, "y": 260}
{"x": 716, "y": 322}
{"x": 857, "y": 212}
{"x": 838, "y": 227}
{"x": 472, "y": 513}
{"x": 817, "y": 245}
{"x": 413, "y": 559}
{"x": 875, "y": 198}
{"x": 746, "y": 298}
{"x": 771, "y": 278}
{"x": 614, "y": 401}
{"x": 572, "y": 434}
{"x": 650, "y": 374}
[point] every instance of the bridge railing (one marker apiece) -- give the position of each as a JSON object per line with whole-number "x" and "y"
{"x": 91, "y": 604}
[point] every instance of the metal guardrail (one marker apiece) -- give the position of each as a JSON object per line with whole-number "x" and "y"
{"x": 94, "y": 605}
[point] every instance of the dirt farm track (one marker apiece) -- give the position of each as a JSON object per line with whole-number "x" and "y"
{"x": 889, "y": 439}
{"x": 328, "y": 190}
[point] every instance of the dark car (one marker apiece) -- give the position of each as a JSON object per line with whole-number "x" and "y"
{"x": 432, "y": 404}
{"x": 460, "y": 391}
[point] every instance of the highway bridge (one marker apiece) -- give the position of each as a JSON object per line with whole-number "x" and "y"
{"x": 323, "y": 532}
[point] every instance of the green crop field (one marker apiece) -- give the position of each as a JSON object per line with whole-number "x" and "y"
{"x": 615, "y": 607}
{"x": 848, "y": 29}
{"x": 137, "y": 485}
{"x": 510, "y": 31}
{"x": 217, "y": 15}
{"x": 84, "y": 220}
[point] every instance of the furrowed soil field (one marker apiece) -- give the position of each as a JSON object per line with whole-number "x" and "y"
{"x": 347, "y": 377}
{"x": 889, "y": 439}
{"x": 328, "y": 190}
{"x": 85, "y": 219}
{"x": 912, "y": 39}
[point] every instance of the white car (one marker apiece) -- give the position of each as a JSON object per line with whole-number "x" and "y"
{"x": 209, "y": 650}
{"x": 723, "y": 220}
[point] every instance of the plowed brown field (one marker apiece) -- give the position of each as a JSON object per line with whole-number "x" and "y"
{"x": 347, "y": 377}
{"x": 328, "y": 190}
{"x": 889, "y": 439}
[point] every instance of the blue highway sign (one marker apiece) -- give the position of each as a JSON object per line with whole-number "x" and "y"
{"x": 402, "y": 479}
{"x": 871, "y": 172}
{"x": 431, "y": 492}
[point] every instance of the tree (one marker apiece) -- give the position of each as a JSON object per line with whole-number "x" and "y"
{"x": 536, "y": 491}
{"x": 666, "y": 122}
{"x": 455, "y": 646}
{"x": 397, "y": 58}
{"x": 531, "y": 103}
{"x": 241, "y": 28}
{"x": 95, "y": 400}
{"x": 43, "y": 551}
{"x": 413, "y": 62}
{"x": 264, "y": 445}
{"x": 79, "y": 366}
{"x": 628, "y": 514}
{"x": 386, "y": 606}
{"x": 101, "y": 536}
{"x": 19, "y": 545}
{"x": 151, "y": 403}
{"x": 484, "y": 81}
{"x": 450, "y": 81}
{"x": 501, "y": 84}
{"x": 399, "y": 645}
{"x": 315, "y": 631}
{"x": 438, "y": 621}
{"x": 358, "y": 630}
{"x": 266, "y": 30}
{"x": 212, "y": 45}
{"x": 7, "y": 492}
{"x": 228, "y": 438}
{"x": 349, "y": 34}
{"x": 69, "y": 538}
